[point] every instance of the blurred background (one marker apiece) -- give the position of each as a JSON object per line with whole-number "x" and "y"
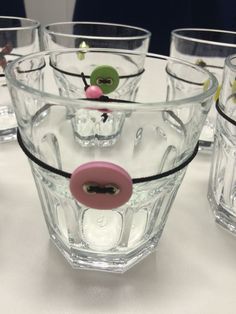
{"x": 160, "y": 17}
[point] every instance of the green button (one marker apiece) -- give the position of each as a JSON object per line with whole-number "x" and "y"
{"x": 106, "y": 77}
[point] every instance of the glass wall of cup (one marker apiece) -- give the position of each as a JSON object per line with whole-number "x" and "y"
{"x": 144, "y": 142}
{"x": 207, "y": 48}
{"x": 18, "y": 37}
{"x": 222, "y": 182}
{"x": 95, "y": 35}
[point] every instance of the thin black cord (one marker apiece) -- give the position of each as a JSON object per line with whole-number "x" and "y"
{"x": 32, "y": 70}
{"x": 38, "y": 161}
{"x": 181, "y": 79}
{"x": 88, "y": 76}
{"x": 224, "y": 115}
{"x": 86, "y": 85}
{"x": 169, "y": 172}
{"x": 8, "y": 54}
{"x": 135, "y": 180}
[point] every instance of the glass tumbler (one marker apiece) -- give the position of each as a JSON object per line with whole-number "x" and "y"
{"x": 113, "y": 75}
{"x": 222, "y": 182}
{"x": 207, "y": 48}
{"x": 86, "y": 35}
{"x": 18, "y": 37}
{"x": 95, "y": 35}
{"x": 106, "y": 207}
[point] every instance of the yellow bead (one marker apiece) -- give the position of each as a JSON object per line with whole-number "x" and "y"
{"x": 217, "y": 94}
{"x": 81, "y": 54}
{"x": 206, "y": 85}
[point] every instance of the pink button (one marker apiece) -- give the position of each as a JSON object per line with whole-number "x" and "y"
{"x": 101, "y": 185}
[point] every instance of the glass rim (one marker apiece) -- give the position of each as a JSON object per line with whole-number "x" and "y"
{"x": 147, "y": 33}
{"x": 116, "y": 105}
{"x": 228, "y": 62}
{"x": 175, "y": 33}
{"x": 35, "y": 23}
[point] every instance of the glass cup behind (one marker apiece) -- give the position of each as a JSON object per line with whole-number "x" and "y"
{"x": 88, "y": 129}
{"x": 102, "y": 222}
{"x": 95, "y": 35}
{"x": 222, "y": 182}
{"x": 117, "y": 77}
{"x": 207, "y": 48}
{"x": 18, "y": 37}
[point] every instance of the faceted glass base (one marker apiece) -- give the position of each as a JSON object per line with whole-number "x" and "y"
{"x": 7, "y": 124}
{"x": 103, "y": 262}
{"x": 222, "y": 216}
{"x": 8, "y": 135}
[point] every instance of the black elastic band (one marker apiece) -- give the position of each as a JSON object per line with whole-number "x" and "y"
{"x": 13, "y": 54}
{"x": 203, "y": 64}
{"x": 214, "y": 66}
{"x": 9, "y": 54}
{"x": 38, "y": 161}
{"x": 32, "y": 70}
{"x": 88, "y": 76}
{"x": 26, "y": 71}
{"x": 169, "y": 172}
{"x": 135, "y": 180}
{"x": 182, "y": 79}
{"x": 224, "y": 115}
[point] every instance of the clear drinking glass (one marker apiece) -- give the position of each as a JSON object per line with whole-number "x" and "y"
{"x": 73, "y": 75}
{"x": 207, "y": 48}
{"x": 222, "y": 183}
{"x": 89, "y": 130}
{"x": 18, "y": 37}
{"x": 95, "y": 35}
{"x": 106, "y": 207}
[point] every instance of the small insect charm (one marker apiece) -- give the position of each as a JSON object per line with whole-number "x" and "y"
{"x": 201, "y": 63}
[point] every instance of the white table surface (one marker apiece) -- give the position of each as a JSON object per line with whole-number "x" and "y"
{"x": 193, "y": 270}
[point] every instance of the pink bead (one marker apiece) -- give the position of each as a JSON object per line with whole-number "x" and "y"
{"x": 93, "y": 91}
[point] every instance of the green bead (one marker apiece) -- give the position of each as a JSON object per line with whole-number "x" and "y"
{"x": 106, "y": 77}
